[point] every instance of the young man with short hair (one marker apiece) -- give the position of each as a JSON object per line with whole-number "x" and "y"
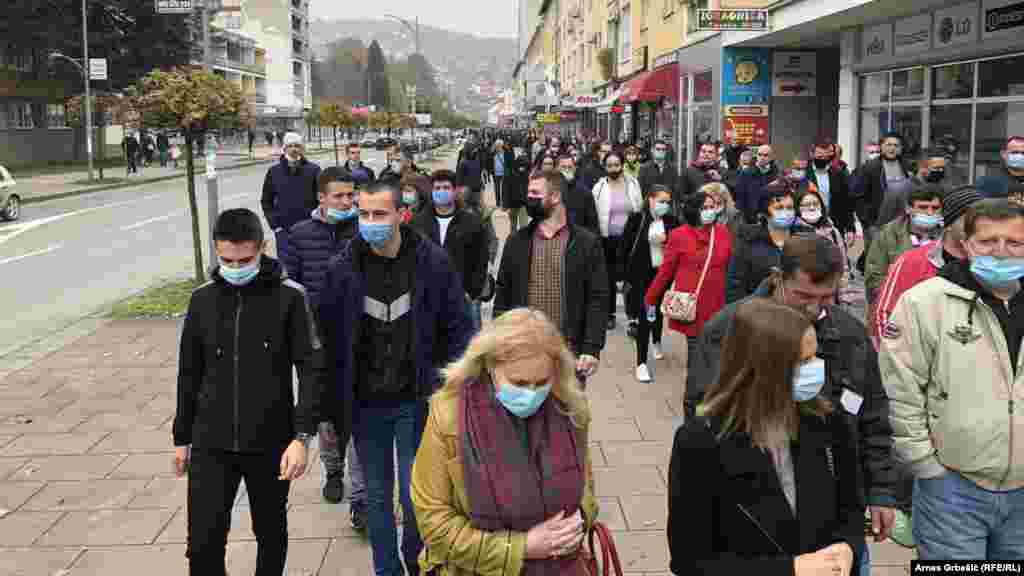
{"x": 237, "y": 417}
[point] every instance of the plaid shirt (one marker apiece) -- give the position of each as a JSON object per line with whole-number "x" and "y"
{"x": 546, "y": 259}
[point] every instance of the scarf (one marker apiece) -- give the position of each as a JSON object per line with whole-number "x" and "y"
{"x": 514, "y": 487}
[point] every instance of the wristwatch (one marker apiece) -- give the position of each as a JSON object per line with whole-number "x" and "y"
{"x": 304, "y": 438}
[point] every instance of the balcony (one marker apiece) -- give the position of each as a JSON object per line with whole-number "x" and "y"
{"x": 256, "y": 68}
{"x": 256, "y": 97}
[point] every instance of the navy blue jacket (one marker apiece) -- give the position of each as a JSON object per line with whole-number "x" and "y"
{"x": 753, "y": 258}
{"x": 470, "y": 173}
{"x": 289, "y": 195}
{"x": 750, "y": 196}
{"x": 311, "y": 244}
{"x": 440, "y": 322}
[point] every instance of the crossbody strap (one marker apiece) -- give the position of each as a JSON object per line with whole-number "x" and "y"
{"x": 637, "y": 239}
{"x": 707, "y": 262}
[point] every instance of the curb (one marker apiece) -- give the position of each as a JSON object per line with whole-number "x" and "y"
{"x": 131, "y": 183}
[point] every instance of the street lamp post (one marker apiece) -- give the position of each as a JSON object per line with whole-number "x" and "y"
{"x": 88, "y": 104}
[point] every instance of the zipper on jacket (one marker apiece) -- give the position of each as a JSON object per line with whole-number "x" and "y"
{"x": 761, "y": 528}
{"x": 1011, "y": 377}
{"x": 238, "y": 318}
{"x": 1009, "y": 459}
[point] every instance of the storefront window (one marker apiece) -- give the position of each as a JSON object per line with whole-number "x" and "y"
{"x": 954, "y": 81}
{"x": 703, "y": 125}
{"x": 996, "y": 123}
{"x": 702, "y": 87}
{"x": 874, "y": 89}
{"x": 1003, "y": 77}
{"x": 907, "y": 123}
{"x": 951, "y": 131}
{"x": 873, "y": 123}
{"x": 908, "y": 84}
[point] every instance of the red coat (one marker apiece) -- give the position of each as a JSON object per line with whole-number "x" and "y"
{"x": 910, "y": 269}
{"x": 685, "y": 252}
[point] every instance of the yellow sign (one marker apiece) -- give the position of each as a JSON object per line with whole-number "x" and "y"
{"x": 552, "y": 118}
{"x": 747, "y": 110}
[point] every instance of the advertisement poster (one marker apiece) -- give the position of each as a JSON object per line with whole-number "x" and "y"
{"x": 795, "y": 74}
{"x": 745, "y": 125}
{"x": 747, "y": 76}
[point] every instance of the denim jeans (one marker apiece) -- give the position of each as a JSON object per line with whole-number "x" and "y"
{"x": 356, "y": 479}
{"x": 865, "y": 559}
{"x": 955, "y": 519}
{"x": 475, "y": 317}
{"x": 378, "y": 427}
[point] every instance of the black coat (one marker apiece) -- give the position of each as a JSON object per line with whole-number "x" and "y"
{"x": 290, "y": 194}
{"x": 636, "y": 256}
{"x": 754, "y": 255}
{"x": 584, "y": 291}
{"x": 238, "y": 347}
{"x": 579, "y": 204}
{"x": 669, "y": 177}
{"x": 513, "y": 192}
{"x": 850, "y": 362}
{"x": 871, "y": 187}
{"x": 466, "y": 242}
{"x": 841, "y": 204}
{"x": 727, "y": 513}
{"x": 311, "y": 244}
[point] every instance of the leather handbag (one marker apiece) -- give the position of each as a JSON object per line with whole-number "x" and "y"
{"x": 682, "y": 306}
{"x": 609, "y": 554}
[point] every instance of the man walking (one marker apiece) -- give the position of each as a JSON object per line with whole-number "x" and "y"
{"x": 290, "y": 190}
{"x": 393, "y": 313}
{"x": 362, "y": 173}
{"x": 236, "y": 417}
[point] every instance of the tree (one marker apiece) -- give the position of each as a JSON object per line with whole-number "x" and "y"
{"x": 377, "y": 86}
{"x": 104, "y": 105}
{"x": 342, "y": 73}
{"x": 191, "y": 100}
{"x": 337, "y": 115}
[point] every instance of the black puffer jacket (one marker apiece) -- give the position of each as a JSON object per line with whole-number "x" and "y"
{"x": 754, "y": 255}
{"x": 238, "y": 347}
{"x": 311, "y": 244}
{"x": 289, "y": 193}
{"x": 850, "y": 362}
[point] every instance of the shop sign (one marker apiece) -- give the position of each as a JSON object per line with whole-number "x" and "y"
{"x": 795, "y": 74}
{"x": 956, "y": 25}
{"x": 876, "y": 42}
{"x": 761, "y": 110}
{"x": 1002, "y": 18}
{"x": 569, "y": 116}
{"x": 745, "y": 130}
{"x": 912, "y": 35}
{"x": 745, "y": 20}
{"x": 549, "y": 118}
{"x": 747, "y": 76}
{"x": 581, "y": 101}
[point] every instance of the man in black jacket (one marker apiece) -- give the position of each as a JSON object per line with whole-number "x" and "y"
{"x": 289, "y": 190}
{"x": 237, "y": 418}
{"x": 883, "y": 186}
{"x": 559, "y": 269}
{"x": 461, "y": 233}
{"x": 810, "y": 270}
{"x": 660, "y": 171}
{"x": 578, "y": 200}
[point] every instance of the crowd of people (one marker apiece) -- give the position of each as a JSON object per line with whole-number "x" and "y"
{"x": 809, "y": 428}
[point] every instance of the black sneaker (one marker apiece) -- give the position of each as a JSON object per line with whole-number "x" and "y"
{"x": 632, "y": 328}
{"x": 611, "y": 323}
{"x": 334, "y": 489}
{"x": 357, "y": 519}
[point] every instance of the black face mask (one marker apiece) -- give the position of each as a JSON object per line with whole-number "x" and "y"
{"x": 935, "y": 175}
{"x": 821, "y": 163}
{"x": 536, "y": 210}
{"x": 615, "y": 175}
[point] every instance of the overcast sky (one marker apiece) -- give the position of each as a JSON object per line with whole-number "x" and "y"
{"x": 480, "y": 17}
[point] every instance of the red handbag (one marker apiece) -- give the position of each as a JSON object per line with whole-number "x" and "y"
{"x": 609, "y": 554}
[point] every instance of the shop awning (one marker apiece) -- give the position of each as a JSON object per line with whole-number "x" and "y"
{"x": 653, "y": 86}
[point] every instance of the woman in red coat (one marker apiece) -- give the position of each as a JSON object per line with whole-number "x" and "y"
{"x": 685, "y": 257}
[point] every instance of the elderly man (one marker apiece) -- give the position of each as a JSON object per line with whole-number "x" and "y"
{"x": 290, "y": 190}
{"x": 750, "y": 184}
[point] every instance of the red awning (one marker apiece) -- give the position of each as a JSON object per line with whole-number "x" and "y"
{"x": 653, "y": 86}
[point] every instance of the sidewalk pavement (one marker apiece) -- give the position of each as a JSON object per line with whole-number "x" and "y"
{"x": 87, "y": 488}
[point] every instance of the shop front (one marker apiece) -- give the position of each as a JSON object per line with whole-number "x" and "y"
{"x": 700, "y": 75}
{"x": 649, "y": 96}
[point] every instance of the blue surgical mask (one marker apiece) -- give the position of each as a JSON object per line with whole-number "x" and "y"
{"x": 661, "y": 208}
{"x": 409, "y": 198}
{"x": 335, "y": 215}
{"x": 239, "y": 276}
{"x": 808, "y": 380}
{"x": 376, "y": 234}
{"x": 925, "y": 221}
{"x": 782, "y": 220}
{"x": 658, "y": 155}
{"x": 797, "y": 174}
{"x": 442, "y": 197}
{"x": 708, "y": 215}
{"x": 522, "y": 402}
{"x": 997, "y": 272}
{"x": 1015, "y": 160}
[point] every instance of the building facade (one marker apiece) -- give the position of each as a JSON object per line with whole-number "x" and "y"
{"x": 33, "y": 128}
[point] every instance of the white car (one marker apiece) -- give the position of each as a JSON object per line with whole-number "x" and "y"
{"x": 10, "y": 202}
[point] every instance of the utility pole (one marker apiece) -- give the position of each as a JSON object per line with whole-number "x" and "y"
{"x": 87, "y": 75}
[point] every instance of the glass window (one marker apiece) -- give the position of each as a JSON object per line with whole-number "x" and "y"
{"x": 907, "y": 123}
{"x": 55, "y": 116}
{"x": 874, "y": 89}
{"x": 908, "y": 84}
{"x": 873, "y": 123}
{"x": 951, "y": 131}
{"x": 1003, "y": 77}
{"x": 954, "y": 81}
{"x": 703, "y": 125}
{"x": 626, "y": 27}
{"x": 3, "y": 115}
{"x": 702, "y": 87}
{"x": 996, "y": 124}
{"x": 20, "y": 115}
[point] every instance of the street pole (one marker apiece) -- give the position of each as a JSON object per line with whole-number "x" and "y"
{"x": 212, "y": 193}
{"x": 87, "y": 76}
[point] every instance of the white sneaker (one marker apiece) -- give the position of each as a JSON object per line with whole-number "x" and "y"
{"x": 656, "y": 350}
{"x": 642, "y": 373}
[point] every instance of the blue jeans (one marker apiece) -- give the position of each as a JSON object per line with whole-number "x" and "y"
{"x": 474, "y": 315}
{"x": 378, "y": 427}
{"x": 955, "y": 519}
{"x": 865, "y": 559}
{"x": 357, "y": 483}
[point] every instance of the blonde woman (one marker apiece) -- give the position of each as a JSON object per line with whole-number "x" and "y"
{"x": 502, "y": 481}
{"x": 728, "y": 214}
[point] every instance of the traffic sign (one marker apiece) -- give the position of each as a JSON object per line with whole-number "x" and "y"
{"x": 174, "y": 6}
{"x": 97, "y": 68}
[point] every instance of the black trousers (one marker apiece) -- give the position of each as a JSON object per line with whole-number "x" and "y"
{"x": 498, "y": 185}
{"x": 611, "y": 260}
{"x": 647, "y": 331}
{"x": 214, "y": 477}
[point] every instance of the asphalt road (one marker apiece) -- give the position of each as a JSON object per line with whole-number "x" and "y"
{"x": 66, "y": 259}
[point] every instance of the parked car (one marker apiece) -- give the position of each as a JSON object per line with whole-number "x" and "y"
{"x": 383, "y": 143}
{"x": 369, "y": 141}
{"x": 10, "y": 202}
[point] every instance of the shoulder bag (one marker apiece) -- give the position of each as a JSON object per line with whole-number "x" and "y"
{"x": 682, "y": 306}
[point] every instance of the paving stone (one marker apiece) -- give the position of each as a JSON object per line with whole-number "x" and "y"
{"x": 637, "y": 453}
{"x": 159, "y": 560}
{"x": 85, "y": 495}
{"x": 139, "y": 442}
{"x": 319, "y": 521}
{"x": 36, "y": 561}
{"x": 46, "y": 419}
{"x": 9, "y": 465}
{"x": 14, "y": 494}
{"x": 165, "y": 492}
{"x": 657, "y": 429}
{"x": 597, "y": 455}
{"x": 642, "y": 551}
{"x": 617, "y": 429}
{"x": 304, "y": 557}
{"x": 106, "y": 528}
{"x": 889, "y": 553}
{"x": 609, "y": 512}
{"x": 122, "y": 422}
{"x": 623, "y": 481}
{"x": 645, "y": 512}
{"x": 23, "y": 528}
{"x": 51, "y": 444}
{"x": 144, "y": 466}
{"x": 348, "y": 557}
{"x": 67, "y": 468}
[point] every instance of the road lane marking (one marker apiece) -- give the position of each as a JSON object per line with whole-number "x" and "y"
{"x": 149, "y": 221}
{"x": 13, "y": 259}
{"x": 33, "y": 224}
